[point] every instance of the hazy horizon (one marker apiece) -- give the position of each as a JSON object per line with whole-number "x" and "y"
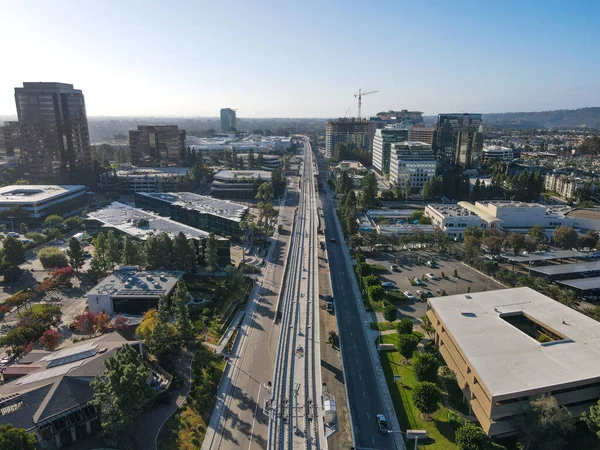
{"x": 272, "y": 59}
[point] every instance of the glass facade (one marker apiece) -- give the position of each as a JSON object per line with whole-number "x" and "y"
{"x": 157, "y": 146}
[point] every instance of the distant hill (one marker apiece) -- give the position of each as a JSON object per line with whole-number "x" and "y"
{"x": 561, "y": 118}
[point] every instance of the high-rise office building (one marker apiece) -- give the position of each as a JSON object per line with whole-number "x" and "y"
{"x": 420, "y": 133}
{"x": 413, "y": 163}
{"x": 459, "y": 139}
{"x": 157, "y": 145}
{"x": 228, "y": 120}
{"x": 382, "y": 144}
{"x": 54, "y": 133}
{"x": 10, "y": 143}
{"x": 353, "y": 132}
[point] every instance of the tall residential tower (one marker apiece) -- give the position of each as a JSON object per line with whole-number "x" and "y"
{"x": 54, "y": 133}
{"x": 353, "y": 132}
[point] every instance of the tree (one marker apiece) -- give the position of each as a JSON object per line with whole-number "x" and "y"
{"x": 405, "y": 326}
{"x": 278, "y": 181}
{"x": 16, "y": 439}
{"x": 369, "y": 191}
{"x": 52, "y": 257}
{"x": 389, "y": 312}
{"x": 113, "y": 253}
{"x": 376, "y": 293}
{"x": 407, "y": 189}
{"x": 493, "y": 244}
{"x": 251, "y": 159}
{"x": 546, "y": 425}
{"x": 154, "y": 254}
{"x": 161, "y": 339}
{"x": 426, "y": 367}
{"x": 514, "y": 241}
{"x": 592, "y": 418}
{"x": 211, "y": 255}
{"x": 72, "y": 222}
{"x": 100, "y": 251}
{"x": 14, "y": 252}
{"x": 165, "y": 244}
{"x": 181, "y": 298}
{"x": 23, "y": 228}
{"x": 565, "y": 237}
{"x": 53, "y": 220}
{"x": 471, "y": 437}
{"x": 50, "y": 340}
{"x": 84, "y": 323}
{"x": 122, "y": 391}
{"x": 538, "y": 233}
{"x": 426, "y": 396}
{"x": 75, "y": 254}
{"x": 589, "y": 240}
{"x": 146, "y": 327}
{"x": 407, "y": 344}
{"x": 184, "y": 254}
{"x": 265, "y": 191}
{"x": 97, "y": 270}
{"x": 131, "y": 255}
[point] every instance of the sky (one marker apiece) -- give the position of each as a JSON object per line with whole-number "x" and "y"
{"x": 305, "y": 58}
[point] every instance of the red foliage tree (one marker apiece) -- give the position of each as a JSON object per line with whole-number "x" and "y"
{"x": 61, "y": 276}
{"x": 84, "y": 323}
{"x": 50, "y": 339}
{"x": 101, "y": 322}
{"x": 120, "y": 322}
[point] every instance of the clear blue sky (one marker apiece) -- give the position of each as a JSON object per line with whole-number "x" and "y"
{"x": 305, "y": 58}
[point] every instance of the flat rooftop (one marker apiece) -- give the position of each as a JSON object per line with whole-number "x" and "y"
{"x": 452, "y": 210}
{"x": 155, "y": 172}
{"x": 583, "y": 284}
{"x": 390, "y": 212}
{"x": 592, "y": 214}
{"x": 32, "y": 193}
{"x": 136, "y": 283}
{"x": 202, "y": 203}
{"x": 563, "y": 269}
{"x": 507, "y": 360}
{"x": 132, "y": 221}
{"x": 241, "y": 174}
{"x": 543, "y": 256}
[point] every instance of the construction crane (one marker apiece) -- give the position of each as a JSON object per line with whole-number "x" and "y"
{"x": 359, "y": 96}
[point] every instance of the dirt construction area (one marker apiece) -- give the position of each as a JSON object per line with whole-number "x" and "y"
{"x": 413, "y": 264}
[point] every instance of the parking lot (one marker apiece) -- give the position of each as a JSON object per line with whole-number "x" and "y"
{"x": 413, "y": 264}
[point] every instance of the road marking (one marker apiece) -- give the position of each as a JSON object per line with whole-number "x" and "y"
{"x": 368, "y": 415}
{"x": 254, "y": 416}
{"x": 364, "y": 395}
{"x": 373, "y": 439}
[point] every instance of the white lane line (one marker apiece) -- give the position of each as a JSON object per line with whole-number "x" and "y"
{"x": 368, "y": 416}
{"x": 373, "y": 439}
{"x": 364, "y": 395}
{"x": 254, "y": 418}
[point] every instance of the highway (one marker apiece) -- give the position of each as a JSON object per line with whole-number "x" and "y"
{"x": 294, "y": 403}
{"x": 365, "y": 399}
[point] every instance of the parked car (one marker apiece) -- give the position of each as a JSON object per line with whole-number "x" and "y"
{"x": 431, "y": 276}
{"x": 418, "y": 281}
{"x": 388, "y": 284}
{"x": 430, "y": 264}
{"x": 419, "y": 292}
{"x": 394, "y": 268}
{"x": 409, "y": 295}
{"x": 332, "y": 240}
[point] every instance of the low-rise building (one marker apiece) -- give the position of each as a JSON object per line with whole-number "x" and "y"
{"x": 238, "y": 184}
{"x": 131, "y": 291}
{"x": 269, "y": 162}
{"x": 509, "y": 347}
{"x": 452, "y": 218}
{"x": 563, "y": 185}
{"x": 139, "y": 224}
{"x": 497, "y": 152}
{"x": 206, "y": 213}
{"x": 412, "y": 163}
{"x": 34, "y": 202}
{"x": 129, "y": 179}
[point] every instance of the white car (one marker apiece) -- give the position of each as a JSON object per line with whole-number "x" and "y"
{"x": 432, "y": 276}
{"x": 388, "y": 284}
{"x": 418, "y": 281}
{"x": 419, "y": 292}
{"x": 409, "y": 295}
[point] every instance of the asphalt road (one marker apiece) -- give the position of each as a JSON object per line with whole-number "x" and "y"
{"x": 363, "y": 391}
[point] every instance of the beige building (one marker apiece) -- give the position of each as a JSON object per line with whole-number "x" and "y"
{"x": 509, "y": 347}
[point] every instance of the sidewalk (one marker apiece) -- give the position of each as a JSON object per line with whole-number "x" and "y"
{"x": 229, "y": 332}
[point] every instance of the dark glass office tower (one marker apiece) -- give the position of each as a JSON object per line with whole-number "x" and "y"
{"x": 459, "y": 140}
{"x": 54, "y": 133}
{"x": 157, "y": 145}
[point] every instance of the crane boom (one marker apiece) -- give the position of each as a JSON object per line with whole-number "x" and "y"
{"x": 359, "y": 96}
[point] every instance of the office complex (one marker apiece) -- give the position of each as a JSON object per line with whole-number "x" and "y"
{"x": 382, "y": 144}
{"x": 353, "y": 132}
{"x": 220, "y": 216}
{"x": 459, "y": 140}
{"x": 509, "y": 347}
{"x": 157, "y": 146}
{"x": 228, "y": 120}
{"x": 54, "y": 133}
{"x": 10, "y": 143}
{"x": 497, "y": 152}
{"x": 35, "y": 202}
{"x": 128, "y": 179}
{"x": 412, "y": 163}
{"x": 238, "y": 184}
{"x": 420, "y": 133}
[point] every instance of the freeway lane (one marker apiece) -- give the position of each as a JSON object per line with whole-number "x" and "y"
{"x": 364, "y": 395}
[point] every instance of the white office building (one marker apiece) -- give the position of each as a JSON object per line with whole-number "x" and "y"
{"x": 454, "y": 219}
{"x": 382, "y": 145}
{"x": 497, "y": 152}
{"x": 411, "y": 162}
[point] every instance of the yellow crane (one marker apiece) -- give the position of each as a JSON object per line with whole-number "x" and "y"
{"x": 359, "y": 96}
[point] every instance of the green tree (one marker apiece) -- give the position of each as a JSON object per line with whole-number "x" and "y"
{"x": 100, "y": 250}
{"x": 16, "y": 439}
{"x": 13, "y": 251}
{"x": 251, "y": 159}
{"x": 407, "y": 189}
{"x": 565, "y": 237}
{"x": 471, "y": 437}
{"x": 23, "y": 228}
{"x": 122, "y": 391}
{"x": 265, "y": 191}
{"x": 389, "y": 312}
{"x": 344, "y": 183}
{"x": 161, "y": 339}
{"x": 589, "y": 240}
{"x": 537, "y": 232}
{"x": 376, "y": 293}
{"x": 369, "y": 191}
{"x": 211, "y": 256}
{"x": 278, "y": 182}
{"x": 113, "y": 252}
{"x": 260, "y": 160}
{"x": 181, "y": 298}
{"x": 72, "y": 222}
{"x": 515, "y": 241}
{"x": 75, "y": 254}
{"x": 407, "y": 344}
{"x": 426, "y": 367}
{"x": 51, "y": 257}
{"x": 154, "y": 254}
{"x": 405, "y": 326}
{"x": 427, "y": 191}
{"x": 592, "y": 418}
{"x": 426, "y": 397}
{"x": 546, "y": 426}
{"x": 493, "y": 244}
{"x": 97, "y": 270}
{"x": 131, "y": 255}
{"x": 53, "y": 220}
{"x": 184, "y": 254}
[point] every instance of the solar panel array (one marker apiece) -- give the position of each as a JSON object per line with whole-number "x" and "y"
{"x": 72, "y": 358}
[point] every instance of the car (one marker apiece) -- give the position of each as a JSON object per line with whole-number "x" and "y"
{"x": 409, "y": 295}
{"x": 332, "y": 240}
{"x": 418, "y": 281}
{"x": 419, "y": 292}
{"x": 431, "y": 276}
{"x": 428, "y": 294}
{"x": 394, "y": 268}
{"x": 5, "y": 359}
{"x": 329, "y": 306}
{"x": 382, "y": 423}
{"x": 430, "y": 264}
{"x": 388, "y": 284}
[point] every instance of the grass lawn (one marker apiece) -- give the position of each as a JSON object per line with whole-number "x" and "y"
{"x": 37, "y": 307}
{"x": 439, "y": 430}
{"x": 383, "y": 326}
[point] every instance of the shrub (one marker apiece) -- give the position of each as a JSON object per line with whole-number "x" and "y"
{"x": 389, "y": 312}
{"x": 426, "y": 367}
{"x": 52, "y": 257}
{"x": 426, "y": 396}
{"x": 371, "y": 280}
{"x": 407, "y": 344}
{"x": 471, "y": 437}
{"x": 405, "y": 326}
